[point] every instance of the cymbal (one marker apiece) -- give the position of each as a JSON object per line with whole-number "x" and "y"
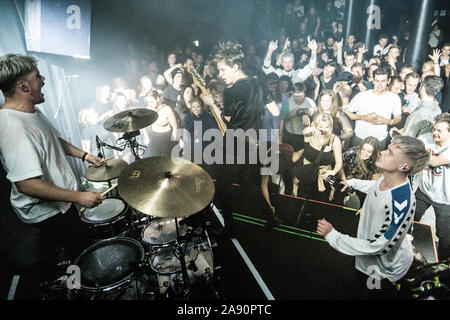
{"x": 166, "y": 187}
{"x": 130, "y": 120}
{"x": 111, "y": 169}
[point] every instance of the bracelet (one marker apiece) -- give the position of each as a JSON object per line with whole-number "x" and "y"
{"x": 85, "y": 156}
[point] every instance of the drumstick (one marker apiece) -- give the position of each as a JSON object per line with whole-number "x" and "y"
{"x": 105, "y": 192}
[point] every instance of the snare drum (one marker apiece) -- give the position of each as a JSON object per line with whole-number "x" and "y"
{"x": 162, "y": 233}
{"x": 105, "y": 265}
{"x": 108, "y": 219}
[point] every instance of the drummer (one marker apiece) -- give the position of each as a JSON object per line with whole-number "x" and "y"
{"x": 33, "y": 154}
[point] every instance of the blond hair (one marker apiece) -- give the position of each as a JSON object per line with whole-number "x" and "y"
{"x": 414, "y": 149}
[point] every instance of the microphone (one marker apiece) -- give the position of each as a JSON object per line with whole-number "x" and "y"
{"x": 97, "y": 140}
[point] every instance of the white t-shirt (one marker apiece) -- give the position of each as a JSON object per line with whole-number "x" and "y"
{"x": 386, "y": 105}
{"x": 382, "y": 246}
{"x": 434, "y": 182}
{"x": 30, "y": 147}
{"x": 295, "y": 125}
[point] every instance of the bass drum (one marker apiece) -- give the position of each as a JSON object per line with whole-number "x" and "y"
{"x": 106, "y": 265}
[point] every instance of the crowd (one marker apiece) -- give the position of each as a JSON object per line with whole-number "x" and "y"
{"x": 340, "y": 105}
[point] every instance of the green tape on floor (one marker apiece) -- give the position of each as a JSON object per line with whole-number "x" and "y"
{"x": 282, "y": 230}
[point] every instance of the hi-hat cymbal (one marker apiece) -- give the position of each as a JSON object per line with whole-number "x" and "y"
{"x": 130, "y": 120}
{"x": 166, "y": 187}
{"x": 111, "y": 169}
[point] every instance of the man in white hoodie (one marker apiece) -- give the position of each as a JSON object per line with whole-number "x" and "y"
{"x": 382, "y": 248}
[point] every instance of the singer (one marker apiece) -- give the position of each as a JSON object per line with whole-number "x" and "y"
{"x": 383, "y": 247}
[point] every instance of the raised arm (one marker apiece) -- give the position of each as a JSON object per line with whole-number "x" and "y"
{"x": 267, "y": 65}
{"x": 75, "y": 152}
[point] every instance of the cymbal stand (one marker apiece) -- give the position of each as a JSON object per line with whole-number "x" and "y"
{"x": 131, "y": 142}
{"x": 180, "y": 254}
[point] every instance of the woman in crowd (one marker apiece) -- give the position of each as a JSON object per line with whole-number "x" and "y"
{"x": 321, "y": 157}
{"x": 196, "y": 122}
{"x": 163, "y": 132}
{"x": 359, "y": 163}
{"x": 145, "y": 85}
{"x": 396, "y": 86}
{"x": 183, "y": 107}
{"x": 328, "y": 102}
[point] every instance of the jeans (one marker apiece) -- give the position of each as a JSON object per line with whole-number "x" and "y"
{"x": 442, "y": 213}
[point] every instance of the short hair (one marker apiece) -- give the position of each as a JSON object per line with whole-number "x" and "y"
{"x": 413, "y": 75}
{"x": 299, "y": 87}
{"x": 383, "y": 36}
{"x": 330, "y": 64}
{"x": 359, "y": 65}
{"x": 414, "y": 149}
{"x": 382, "y": 71}
{"x": 351, "y": 53}
{"x": 272, "y": 78}
{"x": 13, "y": 68}
{"x": 432, "y": 85}
{"x": 230, "y": 53}
{"x": 443, "y": 117}
{"x": 447, "y": 44}
{"x": 288, "y": 55}
{"x": 410, "y": 67}
{"x": 394, "y": 46}
{"x": 345, "y": 90}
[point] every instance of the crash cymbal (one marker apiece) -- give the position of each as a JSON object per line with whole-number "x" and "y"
{"x": 111, "y": 169}
{"x": 130, "y": 120}
{"x": 166, "y": 187}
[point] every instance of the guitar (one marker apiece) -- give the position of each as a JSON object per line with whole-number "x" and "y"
{"x": 201, "y": 83}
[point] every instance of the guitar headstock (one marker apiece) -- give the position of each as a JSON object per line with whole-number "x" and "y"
{"x": 198, "y": 80}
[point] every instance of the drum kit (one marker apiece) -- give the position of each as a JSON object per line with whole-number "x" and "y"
{"x": 152, "y": 234}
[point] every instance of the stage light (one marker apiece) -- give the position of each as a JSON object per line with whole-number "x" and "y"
{"x": 77, "y": 56}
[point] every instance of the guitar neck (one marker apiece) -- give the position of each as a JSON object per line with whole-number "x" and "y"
{"x": 200, "y": 82}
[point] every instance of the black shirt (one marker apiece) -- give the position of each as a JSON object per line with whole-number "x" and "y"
{"x": 244, "y": 102}
{"x": 170, "y": 95}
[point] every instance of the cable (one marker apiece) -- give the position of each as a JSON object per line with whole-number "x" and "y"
{"x": 21, "y": 19}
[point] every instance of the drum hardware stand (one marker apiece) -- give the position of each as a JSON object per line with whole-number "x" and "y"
{"x": 179, "y": 252}
{"x": 131, "y": 142}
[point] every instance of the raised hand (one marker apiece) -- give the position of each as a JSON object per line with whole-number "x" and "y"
{"x": 340, "y": 44}
{"x": 312, "y": 44}
{"x": 287, "y": 44}
{"x": 362, "y": 50}
{"x": 436, "y": 55}
{"x": 273, "y": 45}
